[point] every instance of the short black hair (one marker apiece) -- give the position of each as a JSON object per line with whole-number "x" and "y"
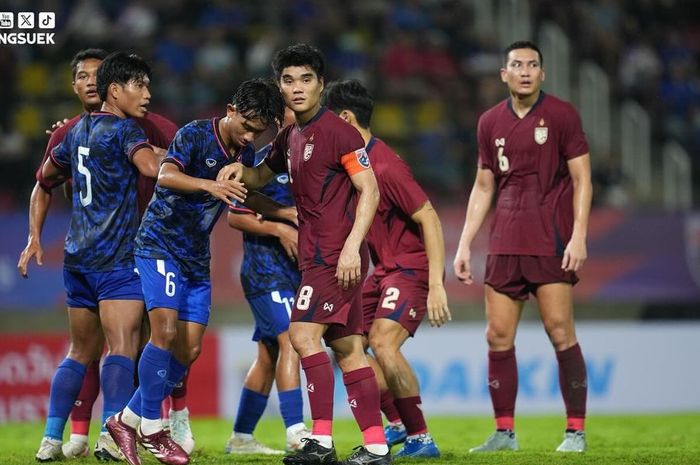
{"x": 120, "y": 68}
{"x": 349, "y": 95}
{"x": 299, "y": 55}
{"x": 260, "y": 98}
{"x": 521, "y": 44}
{"x": 86, "y": 54}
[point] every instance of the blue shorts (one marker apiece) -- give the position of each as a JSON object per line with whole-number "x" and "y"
{"x": 271, "y": 312}
{"x": 165, "y": 287}
{"x": 86, "y": 290}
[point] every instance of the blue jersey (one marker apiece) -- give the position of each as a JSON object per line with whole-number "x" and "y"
{"x": 104, "y": 220}
{"x": 266, "y": 267}
{"x": 177, "y": 225}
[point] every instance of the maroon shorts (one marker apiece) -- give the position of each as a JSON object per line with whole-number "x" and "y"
{"x": 518, "y": 275}
{"x": 321, "y": 300}
{"x": 398, "y": 296}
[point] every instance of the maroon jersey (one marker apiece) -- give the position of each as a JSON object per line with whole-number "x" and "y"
{"x": 159, "y": 130}
{"x": 394, "y": 239}
{"x": 320, "y": 157}
{"x": 528, "y": 157}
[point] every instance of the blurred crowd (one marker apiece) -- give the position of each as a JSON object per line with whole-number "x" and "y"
{"x": 431, "y": 68}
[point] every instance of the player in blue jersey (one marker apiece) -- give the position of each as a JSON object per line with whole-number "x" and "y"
{"x": 172, "y": 258}
{"x": 270, "y": 278}
{"x": 104, "y": 152}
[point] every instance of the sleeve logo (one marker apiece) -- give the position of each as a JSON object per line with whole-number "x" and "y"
{"x": 362, "y": 157}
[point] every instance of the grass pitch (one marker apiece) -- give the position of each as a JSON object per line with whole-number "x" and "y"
{"x": 635, "y": 439}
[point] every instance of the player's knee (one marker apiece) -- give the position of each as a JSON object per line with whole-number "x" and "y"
{"x": 194, "y": 352}
{"x": 302, "y": 343}
{"x": 383, "y": 350}
{"x": 561, "y": 334}
{"x": 499, "y": 337}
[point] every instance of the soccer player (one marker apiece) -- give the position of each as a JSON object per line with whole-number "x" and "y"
{"x": 159, "y": 131}
{"x": 328, "y": 167}
{"x": 270, "y": 279}
{"x": 104, "y": 151}
{"x": 172, "y": 258}
{"x": 533, "y": 154}
{"x": 408, "y": 252}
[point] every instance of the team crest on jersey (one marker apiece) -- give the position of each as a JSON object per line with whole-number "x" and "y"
{"x": 211, "y": 163}
{"x": 541, "y": 133}
{"x": 362, "y": 157}
{"x": 283, "y": 178}
{"x": 308, "y": 150}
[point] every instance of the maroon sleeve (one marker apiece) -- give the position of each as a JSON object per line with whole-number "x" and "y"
{"x": 573, "y": 141}
{"x": 159, "y": 129}
{"x": 276, "y": 160}
{"x": 485, "y": 158}
{"x": 56, "y": 138}
{"x": 401, "y": 187}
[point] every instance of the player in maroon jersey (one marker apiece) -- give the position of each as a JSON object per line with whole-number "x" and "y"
{"x": 328, "y": 167}
{"x": 160, "y": 132}
{"x": 408, "y": 253}
{"x": 533, "y": 154}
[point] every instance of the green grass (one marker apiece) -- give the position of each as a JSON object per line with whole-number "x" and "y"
{"x": 634, "y": 439}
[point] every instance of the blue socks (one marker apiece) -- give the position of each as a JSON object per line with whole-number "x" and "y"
{"x": 250, "y": 408}
{"x": 177, "y": 372}
{"x": 65, "y": 387}
{"x": 117, "y": 381}
{"x": 291, "y": 406}
{"x": 156, "y": 382}
{"x": 154, "y": 368}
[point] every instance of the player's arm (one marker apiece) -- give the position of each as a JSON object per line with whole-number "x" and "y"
{"x": 248, "y": 222}
{"x": 270, "y": 209}
{"x": 349, "y": 271}
{"x": 575, "y": 251}
{"x": 253, "y": 178}
{"x": 171, "y": 177}
{"x": 427, "y": 218}
{"x": 147, "y": 160}
{"x": 52, "y": 173}
{"x": 39, "y": 203}
{"x": 478, "y": 207}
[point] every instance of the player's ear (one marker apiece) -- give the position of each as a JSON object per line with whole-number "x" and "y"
{"x": 114, "y": 90}
{"x": 230, "y": 110}
{"x": 346, "y": 115}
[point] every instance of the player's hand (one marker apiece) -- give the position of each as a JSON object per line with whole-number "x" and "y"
{"x": 290, "y": 214}
{"x": 438, "y": 311}
{"x": 289, "y": 239}
{"x": 348, "y": 271}
{"x": 574, "y": 255}
{"x": 33, "y": 249}
{"x": 227, "y": 190}
{"x": 234, "y": 171}
{"x": 56, "y": 125}
{"x": 462, "y": 266}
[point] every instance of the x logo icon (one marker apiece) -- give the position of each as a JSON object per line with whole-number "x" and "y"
{"x": 26, "y": 19}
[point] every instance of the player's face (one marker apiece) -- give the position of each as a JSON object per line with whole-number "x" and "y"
{"x": 523, "y": 72}
{"x": 301, "y": 89}
{"x": 85, "y": 83}
{"x": 242, "y": 129}
{"x": 133, "y": 97}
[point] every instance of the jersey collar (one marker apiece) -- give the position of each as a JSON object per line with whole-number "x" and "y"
{"x": 217, "y": 136}
{"x": 537, "y": 103}
{"x": 318, "y": 114}
{"x": 370, "y": 144}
